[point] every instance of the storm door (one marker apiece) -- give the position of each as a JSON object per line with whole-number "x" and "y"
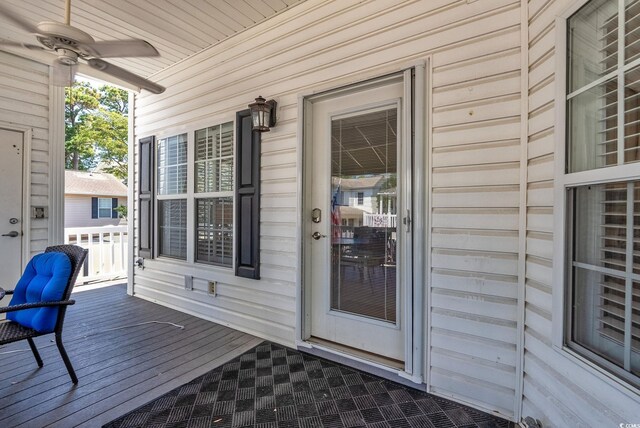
{"x": 356, "y": 214}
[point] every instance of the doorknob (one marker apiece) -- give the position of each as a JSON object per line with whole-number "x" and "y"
{"x": 317, "y": 235}
{"x": 11, "y": 234}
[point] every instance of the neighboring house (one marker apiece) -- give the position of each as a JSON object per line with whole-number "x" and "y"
{"x": 512, "y": 127}
{"x": 362, "y": 199}
{"x": 90, "y": 199}
{"x": 359, "y": 192}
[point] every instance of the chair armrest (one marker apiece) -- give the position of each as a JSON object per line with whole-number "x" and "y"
{"x": 36, "y": 305}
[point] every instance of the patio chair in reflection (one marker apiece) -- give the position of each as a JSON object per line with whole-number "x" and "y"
{"x": 40, "y": 299}
{"x": 367, "y": 251}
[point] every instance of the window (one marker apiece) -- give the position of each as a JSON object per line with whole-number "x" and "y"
{"x": 172, "y": 202}
{"x": 105, "y": 207}
{"x": 603, "y": 190}
{"x": 214, "y": 194}
{"x": 208, "y": 181}
{"x": 360, "y": 198}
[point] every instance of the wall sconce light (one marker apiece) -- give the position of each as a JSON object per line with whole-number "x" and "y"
{"x": 263, "y": 114}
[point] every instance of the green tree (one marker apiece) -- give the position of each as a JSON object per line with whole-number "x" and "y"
{"x": 81, "y": 100}
{"x": 114, "y": 99}
{"x": 96, "y": 128}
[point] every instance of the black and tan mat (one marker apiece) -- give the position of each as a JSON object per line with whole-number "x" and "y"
{"x": 271, "y": 386}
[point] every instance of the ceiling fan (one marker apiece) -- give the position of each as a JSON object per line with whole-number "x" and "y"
{"x": 71, "y": 44}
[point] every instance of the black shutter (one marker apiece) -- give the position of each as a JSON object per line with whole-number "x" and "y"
{"x": 94, "y": 207}
{"x": 145, "y": 197}
{"x": 114, "y": 205}
{"x": 247, "y": 229}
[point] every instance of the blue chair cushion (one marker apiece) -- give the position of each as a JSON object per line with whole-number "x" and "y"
{"x": 44, "y": 280}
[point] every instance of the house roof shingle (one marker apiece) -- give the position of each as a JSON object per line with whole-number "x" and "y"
{"x": 358, "y": 183}
{"x": 93, "y": 183}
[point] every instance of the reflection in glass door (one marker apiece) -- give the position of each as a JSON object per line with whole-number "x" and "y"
{"x": 364, "y": 153}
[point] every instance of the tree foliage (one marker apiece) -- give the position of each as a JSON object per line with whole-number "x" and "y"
{"x": 96, "y": 128}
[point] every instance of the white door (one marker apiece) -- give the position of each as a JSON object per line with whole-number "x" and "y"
{"x": 356, "y": 186}
{"x": 11, "y": 146}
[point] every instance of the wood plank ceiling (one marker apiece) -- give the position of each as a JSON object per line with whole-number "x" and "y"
{"x": 177, "y": 28}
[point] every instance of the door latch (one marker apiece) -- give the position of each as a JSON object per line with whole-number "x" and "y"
{"x": 11, "y": 234}
{"x": 407, "y": 221}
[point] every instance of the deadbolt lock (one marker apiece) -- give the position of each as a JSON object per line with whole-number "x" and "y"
{"x": 316, "y": 215}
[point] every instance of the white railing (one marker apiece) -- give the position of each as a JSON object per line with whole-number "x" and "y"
{"x": 107, "y": 255}
{"x": 379, "y": 220}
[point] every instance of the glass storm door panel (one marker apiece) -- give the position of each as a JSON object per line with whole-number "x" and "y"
{"x": 363, "y": 213}
{"x": 354, "y": 222}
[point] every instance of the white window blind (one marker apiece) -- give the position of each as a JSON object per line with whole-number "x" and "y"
{"x": 172, "y": 203}
{"x": 172, "y": 220}
{"x": 172, "y": 165}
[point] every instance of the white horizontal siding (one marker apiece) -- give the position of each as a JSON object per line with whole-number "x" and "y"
{"x": 77, "y": 212}
{"x": 475, "y": 115}
{"x": 475, "y": 122}
{"x": 474, "y": 217}
{"x": 558, "y": 390}
{"x": 24, "y": 102}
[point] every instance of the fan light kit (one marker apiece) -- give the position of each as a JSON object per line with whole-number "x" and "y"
{"x": 71, "y": 44}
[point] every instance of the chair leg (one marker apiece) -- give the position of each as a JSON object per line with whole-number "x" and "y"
{"x": 36, "y": 354}
{"x": 65, "y": 358}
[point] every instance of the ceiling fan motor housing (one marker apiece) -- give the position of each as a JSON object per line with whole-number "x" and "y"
{"x": 58, "y": 36}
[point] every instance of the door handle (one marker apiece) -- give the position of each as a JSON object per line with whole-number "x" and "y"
{"x": 11, "y": 234}
{"x": 317, "y": 235}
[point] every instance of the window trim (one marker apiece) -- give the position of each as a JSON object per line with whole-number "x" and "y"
{"x": 562, "y": 227}
{"x": 190, "y": 194}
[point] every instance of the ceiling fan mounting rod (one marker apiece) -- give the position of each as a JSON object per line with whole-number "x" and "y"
{"x": 67, "y": 12}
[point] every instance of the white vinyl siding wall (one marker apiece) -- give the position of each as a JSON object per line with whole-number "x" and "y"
{"x": 77, "y": 212}
{"x": 476, "y": 98}
{"x": 558, "y": 390}
{"x": 24, "y": 102}
{"x": 477, "y": 194}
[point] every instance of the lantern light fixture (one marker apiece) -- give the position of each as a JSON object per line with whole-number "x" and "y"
{"x": 263, "y": 114}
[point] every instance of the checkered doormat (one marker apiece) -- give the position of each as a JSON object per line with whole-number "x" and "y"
{"x": 271, "y": 386}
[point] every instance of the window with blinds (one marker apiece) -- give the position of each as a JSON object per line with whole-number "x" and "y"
{"x": 214, "y": 232}
{"x": 603, "y": 131}
{"x": 214, "y": 194}
{"x": 172, "y": 221}
{"x": 172, "y": 192}
{"x": 172, "y": 165}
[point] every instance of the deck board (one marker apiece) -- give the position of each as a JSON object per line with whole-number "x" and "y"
{"x": 120, "y": 365}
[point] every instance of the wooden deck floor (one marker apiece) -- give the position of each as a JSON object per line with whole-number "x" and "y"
{"x": 119, "y": 369}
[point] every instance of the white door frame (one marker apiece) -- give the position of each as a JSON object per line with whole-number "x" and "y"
{"x": 26, "y": 188}
{"x": 415, "y": 308}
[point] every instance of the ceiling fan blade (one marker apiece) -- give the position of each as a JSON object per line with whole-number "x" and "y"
{"x": 18, "y": 20}
{"x": 120, "y": 49}
{"x": 63, "y": 74}
{"x": 12, "y": 44}
{"x": 125, "y": 75}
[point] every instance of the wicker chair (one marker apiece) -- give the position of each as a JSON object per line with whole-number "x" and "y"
{"x": 11, "y": 331}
